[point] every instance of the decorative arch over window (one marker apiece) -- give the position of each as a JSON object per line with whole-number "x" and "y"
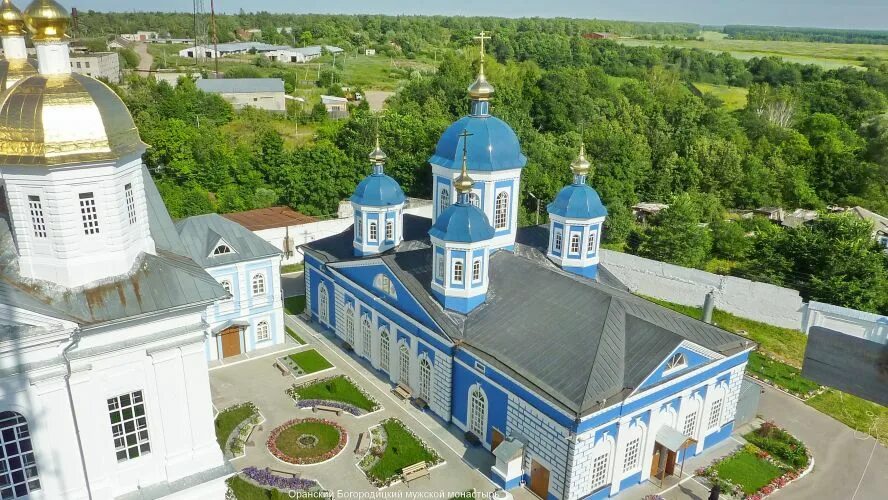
{"x": 258, "y": 283}
{"x": 262, "y": 332}
{"x": 367, "y": 335}
{"x": 632, "y": 457}
{"x": 716, "y": 396}
{"x": 323, "y": 304}
{"x": 691, "y": 409}
{"x": 425, "y": 378}
{"x": 590, "y": 245}
{"x": 457, "y": 271}
{"x": 501, "y": 212}
{"x": 444, "y": 199}
{"x": 556, "y": 245}
{"x": 18, "y": 467}
{"x": 384, "y": 284}
{"x": 389, "y": 230}
{"x": 349, "y": 324}
{"x": 476, "y": 270}
{"x": 575, "y": 243}
{"x": 384, "y": 344}
{"x": 676, "y": 362}
{"x": 602, "y": 463}
{"x": 477, "y": 418}
{"x": 373, "y": 233}
{"x": 222, "y": 249}
{"x": 404, "y": 364}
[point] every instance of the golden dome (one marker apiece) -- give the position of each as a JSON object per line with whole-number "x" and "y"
{"x": 463, "y": 183}
{"x": 12, "y": 71}
{"x": 12, "y": 22}
{"x": 377, "y": 155}
{"x": 481, "y": 88}
{"x": 64, "y": 119}
{"x": 47, "y": 21}
{"x": 581, "y": 165}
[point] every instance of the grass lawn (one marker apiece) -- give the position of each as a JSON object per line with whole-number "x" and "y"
{"x": 854, "y": 412}
{"x": 294, "y": 335}
{"x": 246, "y": 491}
{"x": 288, "y": 440}
{"x": 783, "y": 344}
{"x": 228, "y": 419}
{"x": 311, "y": 361}
{"x": 733, "y": 97}
{"x": 380, "y": 72}
{"x": 336, "y": 389}
{"x": 784, "y": 376}
{"x": 292, "y": 268}
{"x": 294, "y": 305}
{"x": 401, "y": 450}
{"x": 748, "y": 471}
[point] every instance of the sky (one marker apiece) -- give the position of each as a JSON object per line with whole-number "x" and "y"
{"x": 858, "y": 14}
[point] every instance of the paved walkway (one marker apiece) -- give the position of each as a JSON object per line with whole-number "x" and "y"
{"x": 257, "y": 380}
{"x": 145, "y": 58}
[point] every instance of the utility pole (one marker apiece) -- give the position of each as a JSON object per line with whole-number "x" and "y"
{"x": 538, "y": 207}
{"x": 215, "y": 38}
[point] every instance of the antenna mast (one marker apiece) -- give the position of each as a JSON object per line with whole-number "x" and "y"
{"x": 200, "y": 33}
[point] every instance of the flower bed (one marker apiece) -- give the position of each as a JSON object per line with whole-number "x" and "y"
{"x": 338, "y": 391}
{"x": 400, "y": 447}
{"x": 233, "y": 427}
{"x": 754, "y": 473}
{"x": 286, "y": 443}
{"x": 264, "y": 477}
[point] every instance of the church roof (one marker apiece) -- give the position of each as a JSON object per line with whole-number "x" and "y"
{"x": 201, "y": 235}
{"x": 157, "y": 283}
{"x": 493, "y": 145}
{"x": 580, "y": 343}
{"x": 378, "y": 190}
{"x": 577, "y": 201}
{"x": 462, "y": 223}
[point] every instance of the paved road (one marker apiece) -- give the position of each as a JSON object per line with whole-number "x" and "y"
{"x": 145, "y": 59}
{"x": 293, "y": 284}
{"x": 848, "y": 465}
{"x": 376, "y": 98}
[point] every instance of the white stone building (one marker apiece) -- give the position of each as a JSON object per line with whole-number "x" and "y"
{"x": 97, "y": 65}
{"x": 104, "y": 391}
{"x": 261, "y": 93}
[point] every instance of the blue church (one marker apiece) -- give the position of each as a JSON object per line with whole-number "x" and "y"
{"x": 517, "y": 335}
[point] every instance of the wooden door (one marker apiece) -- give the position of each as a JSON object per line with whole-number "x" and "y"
{"x": 539, "y": 480}
{"x": 496, "y": 439}
{"x": 655, "y": 464}
{"x": 230, "y": 341}
{"x": 670, "y": 463}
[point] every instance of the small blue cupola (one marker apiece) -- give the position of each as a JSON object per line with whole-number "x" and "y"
{"x": 378, "y": 203}
{"x": 575, "y": 223}
{"x": 461, "y": 238}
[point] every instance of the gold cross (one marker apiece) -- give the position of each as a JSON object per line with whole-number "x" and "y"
{"x": 482, "y": 36}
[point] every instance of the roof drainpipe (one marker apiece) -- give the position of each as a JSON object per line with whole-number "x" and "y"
{"x": 708, "y": 307}
{"x": 75, "y": 340}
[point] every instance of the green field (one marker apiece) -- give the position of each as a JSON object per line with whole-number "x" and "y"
{"x": 827, "y": 55}
{"x": 733, "y": 97}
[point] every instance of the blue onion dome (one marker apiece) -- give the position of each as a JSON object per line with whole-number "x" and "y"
{"x": 579, "y": 200}
{"x": 378, "y": 189}
{"x": 462, "y": 223}
{"x": 494, "y": 145}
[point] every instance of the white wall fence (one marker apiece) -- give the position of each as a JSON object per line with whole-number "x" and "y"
{"x": 749, "y": 299}
{"x": 867, "y": 326}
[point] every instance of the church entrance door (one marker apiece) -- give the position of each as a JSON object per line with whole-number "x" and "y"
{"x": 655, "y": 463}
{"x": 496, "y": 439}
{"x": 230, "y": 341}
{"x": 539, "y": 480}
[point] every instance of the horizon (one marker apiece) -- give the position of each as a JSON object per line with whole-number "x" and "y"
{"x": 863, "y": 15}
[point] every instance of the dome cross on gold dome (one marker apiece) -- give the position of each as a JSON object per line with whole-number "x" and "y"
{"x": 463, "y": 183}
{"x": 481, "y": 89}
{"x": 12, "y": 21}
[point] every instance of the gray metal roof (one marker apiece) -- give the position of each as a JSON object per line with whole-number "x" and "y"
{"x": 583, "y": 344}
{"x": 202, "y": 233}
{"x": 168, "y": 280}
{"x": 240, "y": 85}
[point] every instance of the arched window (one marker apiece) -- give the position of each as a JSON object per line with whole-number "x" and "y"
{"x": 323, "y": 304}
{"x": 262, "y": 331}
{"x": 439, "y": 268}
{"x": 222, "y": 249}
{"x": 349, "y": 324}
{"x": 258, "y": 284}
{"x": 457, "y": 271}
{"x": 476, "y": 270}
{"x": 676, "y": 362}
{"x": 590, "y": 246}
{"x": 444, "y": 200}
{"x": 601, "y": 464}
{"x": 475, "y": 200}
{"x": 404, "y": 365}
{"x": 477, "y": 412}
{"x": 634, "y": 442}
{"x": 574, "y": 243}
{"x": 557, "y": 244}
{"x": 18, "y": 468}
{"x": 691, "y": 409}
{"x": 367, "y": 337}
{"x": 389, "y": 230}
{"x": 384, "y": 349}
{"x": 226, "y": 285}
{"x": 373, "y": 235}
{"x": 425, "y": 379}
{"x": 359, "y": 232}
{"x": 502, "y": 209}
{"x": 384, "y": 284}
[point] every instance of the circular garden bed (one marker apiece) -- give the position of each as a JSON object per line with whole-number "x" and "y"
{"x": 307, "y": 441}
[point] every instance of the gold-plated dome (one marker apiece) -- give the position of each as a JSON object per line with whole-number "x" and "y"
{"x": 581, "y": 165}
{"x": 12, "y": 21}
{"x": 377, "y": 156}
{"x": 47, "y": 21}
{"x": 481, "y": 88}
{"x": 12, "y": 71}
{"x": 64, "y": 119}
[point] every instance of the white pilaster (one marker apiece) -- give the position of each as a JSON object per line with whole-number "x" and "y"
{"x": 53, "y": 58}
{"x": 169, "y": 377}
{"x": 14, "y": 47}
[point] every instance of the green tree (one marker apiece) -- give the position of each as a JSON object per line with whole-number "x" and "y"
{"x": 677, "y": 235}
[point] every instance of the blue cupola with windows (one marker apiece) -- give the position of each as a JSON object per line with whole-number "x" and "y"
{"x": 378, "y": 204}
{"x": 461, "y": 238}
{"x": 576, "y": 217}
{"x": 494, "y": 157}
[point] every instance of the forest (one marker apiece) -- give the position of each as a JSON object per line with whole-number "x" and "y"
{"x": 807, "y": 138}
{"x": 828, "y": 35}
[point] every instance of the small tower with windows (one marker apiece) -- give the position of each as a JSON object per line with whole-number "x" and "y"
{"x": 576, "y": 218}
{"x": 461, "y": 242}
{"x": 378, "y": 203}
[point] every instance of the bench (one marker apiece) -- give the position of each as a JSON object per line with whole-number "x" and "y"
{"x": 285, "y": 472}
{"x": 360, "y": 442}
{"x": 333, "y": 409}
{"x": 281, "y": 368}
{"x": 402, "y": 391}
{"x": 414, "y": 471}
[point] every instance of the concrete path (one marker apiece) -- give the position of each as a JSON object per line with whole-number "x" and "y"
{"x": 145, "y": 59}
{"x": 258, "y": 381}
{"x": 376, "y": 99}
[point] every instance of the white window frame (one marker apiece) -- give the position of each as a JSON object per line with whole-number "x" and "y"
{"x": 130, "y": 202}
{"x": 384, "y": 346}
{"x": 440, "y": 266}
{"x": 590, "y": 244}
{"x": 389, "y": 230}
{"x": 632, "y": 455}
{"x": 689, "y": 427}
{"x": 222, "y": 249}
{"x": 359, "y": 233}
{"x": 501, "y": 210}
{"x": 404, "y": 364}
{"x": 263, "y": 332}
{"x": 425, "y": 378}
{"x": 477, "y": 274}
{"x": 715, "y": 412}
{"x": 89, "y": 215}
{"x": 458, "y": 270}
{"x": 323, "y": 303}
{"x": 598, "y": 473}
{"x": 557, "y": 244}
{"x": 349, "y": 324}
{"x": 474, "y": 199}
{"x": 121, "y": 432}
{"x": 257, "y": 285}
{"x": 228, "y": 287}
{"x": 476, "y": 420}
{"x": 366, "y": 335}
{"x": 372, "y": 231}
{"x": 38, "y": 219}
{"x": 20, "y": 441}
{"x": 574, "y": 248}
{"x": 677, "y": 362}
{"x": 444, "y": 199}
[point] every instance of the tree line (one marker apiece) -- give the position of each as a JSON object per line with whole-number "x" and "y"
{"x": 829, "y": 35}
